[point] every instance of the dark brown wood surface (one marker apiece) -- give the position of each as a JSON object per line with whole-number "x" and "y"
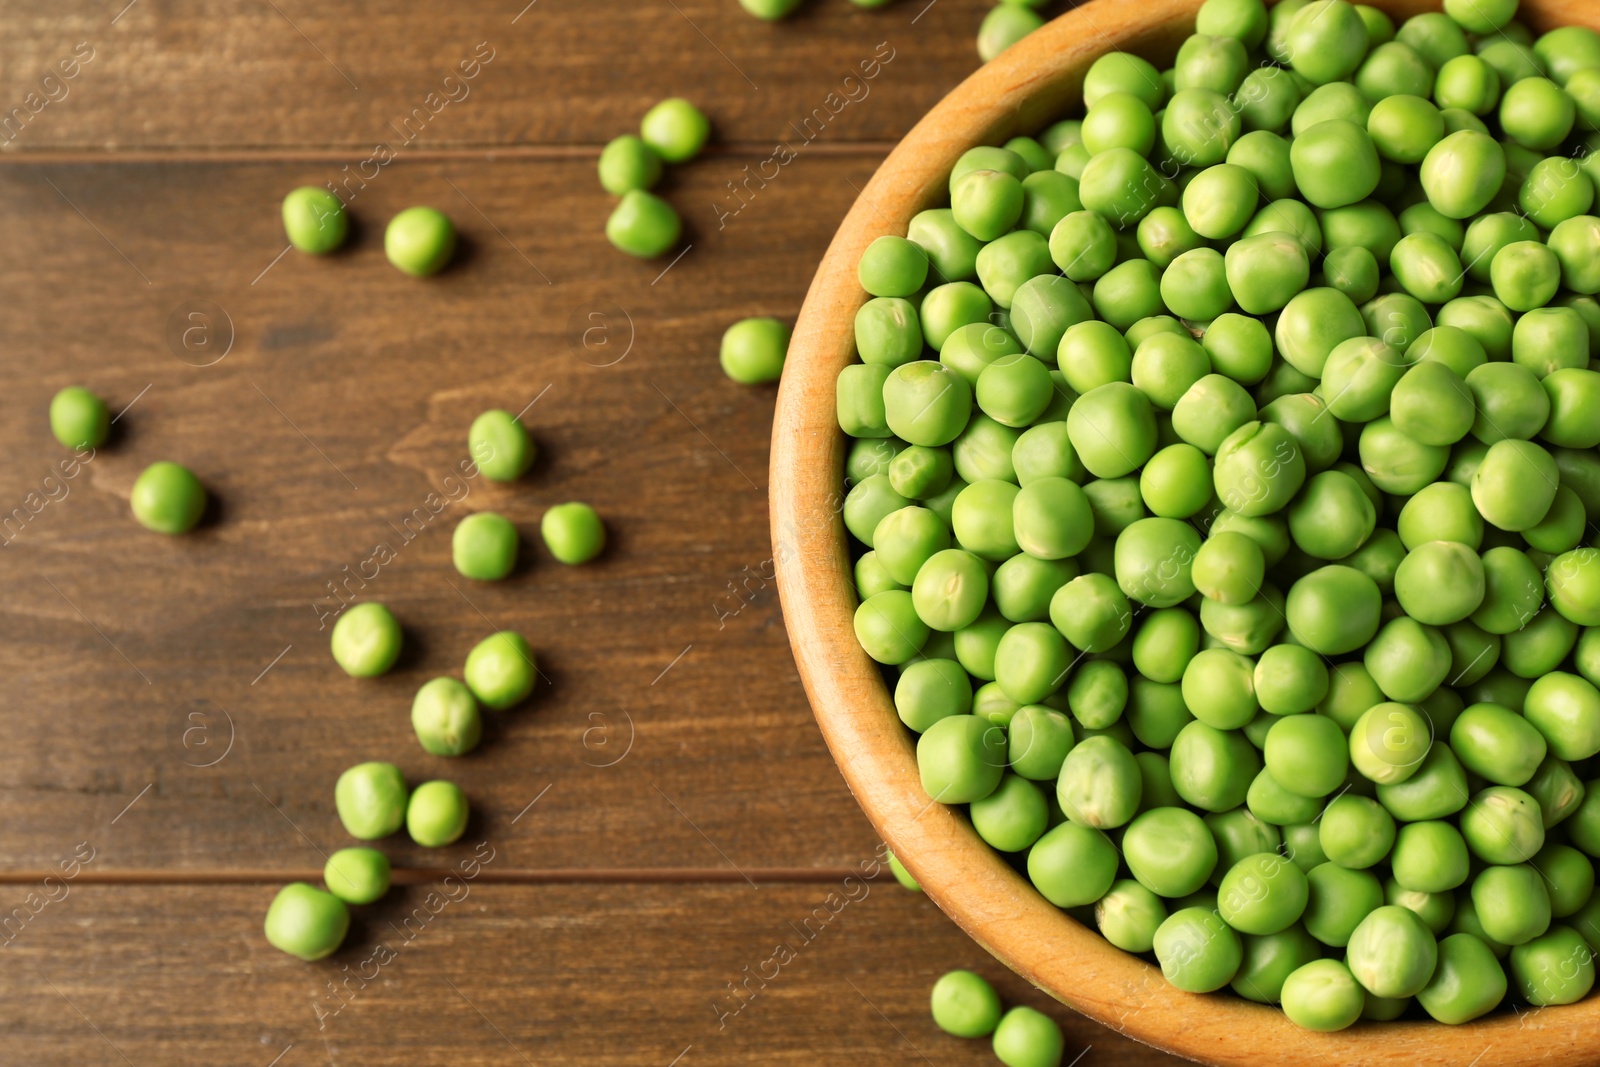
{"x": 664, "y": 812}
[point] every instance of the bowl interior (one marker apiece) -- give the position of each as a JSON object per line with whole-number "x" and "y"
{"x": 1030, "y": 85}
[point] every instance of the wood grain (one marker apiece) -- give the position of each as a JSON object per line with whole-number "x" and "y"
{"x": 481, "y": 974}
{"x": 1030, "y": 83}
{"x": 206, "y": 75}
{"x": 342, "y": 406}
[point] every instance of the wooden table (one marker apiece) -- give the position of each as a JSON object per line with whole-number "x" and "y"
{"x": 663, "y": 815}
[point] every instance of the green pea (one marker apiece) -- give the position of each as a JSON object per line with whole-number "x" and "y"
{"x": 1467, "y": 981}
{"x": 1335, "y": 163}
{"x": 1431, "y": 403}
{"x": 1129, "y": 915}
{"x": 1039, "y": 738}
{"x": 1569, "y": 877}
{"x": 1197, "y": 951}
{"x": 1462, "y": 172}
{"x": 573, "y": 533}
{"x": 924, "y": 402}
{"x": 889, "y": 628}
{"x": 1128, "y": 292}
{"x": 1525, "y": 275}
{"x": 1262, "y": 894}
{"x": 371, "y": 800}
{"x": 1199, "y": 126}
{"x": 1356, "y": 832}
{"x": 1337, "y": 899}
{"x": 445, "y": 716}
{"x": 420, "y": 240}
{"x": 168, "y": 498}
{"x": 1389, "y": 743}
{"x": 79, "y": 419}
{"x": 484, "y": 546}
{"x": 1498, "y": 744}
{"x": 1557, "y": 789}
{"x": 1170, "y": 851}
{"x": 1323, "y": 995}
{"x": 1515, "y": 485}
{"x": 500, "y": 445}
{"x": 952, "y": 252}
{"x": 1003, "y": 27}
{"x": 1091, "y": 612}
{"x": 1228, "y": 568}
{"x": 1334, "y": 610}
{"x": 1176, "y": 482}
{"x": 1565, "y": 709}
{"x": 306, "y": 922}
{"x": 1072, "y": 864}
{"x": 1573, "y": 395}
{"x": 437, "y": 814}
{"x": 965, "y": 1005}
{"x": 1468, "y": 83}
{"x": 987, "y": 203}
{"x": 1511, "y": 903}
{"x": 501, "y": 670}
{"x": 1573, "y": 581}
{"x": 357, "y": 875}
{"x": 675, "y": 129}
{"x": 1212, "y": 768}
{"x": 753, "y": 350}
{"x": 366, "y": 640}
{"x": 1012, "y": 817}
{"x": 627, "y": 163}
{"x": 1312, "y": 324}
{"x": 1097, "y": 694}
{"x": 315, "y": 220}
{"x": 1391, "y": 953}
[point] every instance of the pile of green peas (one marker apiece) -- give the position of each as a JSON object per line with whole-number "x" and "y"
{"x": 965, "y": 1005}
{"x": 643, "y": 224}
{"x": 1224, "y": 476}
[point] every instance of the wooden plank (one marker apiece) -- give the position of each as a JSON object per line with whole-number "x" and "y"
{"x": 341, "y": 406}
{"x": 628, "y": 975}
{"x": 213, "y": 74}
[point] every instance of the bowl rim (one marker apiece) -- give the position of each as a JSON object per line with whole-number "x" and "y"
{"x": 1019, "y": 91}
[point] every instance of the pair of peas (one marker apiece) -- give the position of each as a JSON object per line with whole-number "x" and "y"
{"x": 643, "y": 224}
{"x": 965, "y": 1005}
{"x": 372, "y": 801}
{"x": 166, "y": 498}
{"x": 419, "y": 241}
{"x": 485, "y": 544}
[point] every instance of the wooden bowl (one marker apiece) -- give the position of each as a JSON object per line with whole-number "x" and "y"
{"x": 1030, "y": 85}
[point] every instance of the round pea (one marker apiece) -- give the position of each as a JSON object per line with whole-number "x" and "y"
{"x": 168, "y": 498}
{"x": 1198, "y": 952}
{"x": 500, "y": 445}
{"x": 501, "y": 670}
{"x": 420, "y": 240}
{"x": 306, "y": 922}
{"x": 888, "y": 627}
{"x": 366, "y": 640}
{"x": 753, "y": 350}
{"x": 79, "y": 419}
{"x": 371, "y": 800}
{"x": 1467, "y": 981}
{"x": 445, "y": 716}
{"x": 1323, "y": 995}
{"x": 1072, "y": 864}
{"x": 627, "y": 163}
{"x": 484, "y": 546}
{"x": 437, "y": 814}
{"x": 1511, "y": 903}
{"x": 357, "y": 875}
{"x": 965, "y": 1005}
{"x": 675, "y": 129}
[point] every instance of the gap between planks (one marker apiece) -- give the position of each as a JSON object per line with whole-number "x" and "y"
{"x": 425, "y": 875}
{"x": 483, "y": 153}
